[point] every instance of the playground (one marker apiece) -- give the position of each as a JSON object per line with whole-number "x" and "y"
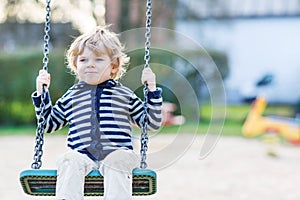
{"x": 238, "y": 168}
{"x": 254, "y": 156}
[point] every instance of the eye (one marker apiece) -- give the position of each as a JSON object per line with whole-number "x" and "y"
{"x": 82, "y": 59}
{"x": 99, "y": 59}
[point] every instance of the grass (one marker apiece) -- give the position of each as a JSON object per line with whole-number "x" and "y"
{"x": 17, "y": 130}
{"x": 231, "y": 126}
{"x": 24, "y": 130}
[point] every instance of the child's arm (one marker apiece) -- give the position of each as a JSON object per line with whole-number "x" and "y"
{"x": 42, "y": 79}
{"x": 54, "y": 115}
{"x": 154, "y": 102}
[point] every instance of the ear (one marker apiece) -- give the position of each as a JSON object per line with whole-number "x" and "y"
{"x": 115, "y": 66}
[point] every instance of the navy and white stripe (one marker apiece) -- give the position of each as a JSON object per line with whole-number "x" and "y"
{"x": 99, "y": 117}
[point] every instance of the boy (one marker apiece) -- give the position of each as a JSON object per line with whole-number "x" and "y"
{"x": 98, "y": 110}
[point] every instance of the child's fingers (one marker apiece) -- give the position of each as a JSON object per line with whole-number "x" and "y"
{"x": 149, "y": 77}
{"x": 147, "y": 70}
{"x": 42, "y": 79}
{"x": 44, "y": 73}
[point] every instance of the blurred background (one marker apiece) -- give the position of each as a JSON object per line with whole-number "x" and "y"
{"x": 254, "y": 43}
{"x": 237, "y": 49}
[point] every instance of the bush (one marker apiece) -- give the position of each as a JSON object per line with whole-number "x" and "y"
{"x": 17, "y": 82}
{"x": 16, "y": 113}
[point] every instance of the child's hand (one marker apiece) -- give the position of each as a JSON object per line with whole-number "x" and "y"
{"x": 42, "y": 79}
{"x": 149, "y": 77}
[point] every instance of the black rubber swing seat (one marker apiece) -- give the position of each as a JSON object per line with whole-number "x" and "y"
{"x": 42, "y": 182}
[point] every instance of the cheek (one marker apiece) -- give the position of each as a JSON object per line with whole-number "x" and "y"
{"x": 108, "y": 69}
{"x": 79, "y": 71}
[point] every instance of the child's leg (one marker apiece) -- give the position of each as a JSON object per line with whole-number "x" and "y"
{"x": 72, "y": 168}
{"x": 117, "y": 171}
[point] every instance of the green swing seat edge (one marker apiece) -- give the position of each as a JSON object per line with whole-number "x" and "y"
{"x": 41, "y": 182}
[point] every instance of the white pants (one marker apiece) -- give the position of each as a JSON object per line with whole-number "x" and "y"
{"x": 116, "y": 169}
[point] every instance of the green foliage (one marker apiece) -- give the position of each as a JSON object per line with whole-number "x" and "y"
{"x": 19, "y": 71}
{"x": 16, "y": 113}
{"x": 17, "y": 82}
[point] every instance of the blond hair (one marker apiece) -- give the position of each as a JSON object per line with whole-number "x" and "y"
{"x": 101, "y": 41}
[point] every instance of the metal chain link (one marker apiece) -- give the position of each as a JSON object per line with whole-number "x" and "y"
{"x": 144, "y": 134}
{"x": 39, "y": 140}
{"x": 46, "y": 35}
{"x": 148, "y": 33}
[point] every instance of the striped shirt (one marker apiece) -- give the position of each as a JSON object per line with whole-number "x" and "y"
{"x": 99, "y": 116}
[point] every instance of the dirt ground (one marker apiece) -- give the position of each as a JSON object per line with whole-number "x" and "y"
{"x": 236, "y": 168}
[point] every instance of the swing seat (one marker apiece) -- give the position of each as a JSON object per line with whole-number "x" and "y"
{"x": 41, "y": 182}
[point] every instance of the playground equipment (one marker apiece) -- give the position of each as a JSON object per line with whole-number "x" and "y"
{"x": 257, "y": 124}
{"x": 43, "y": 182}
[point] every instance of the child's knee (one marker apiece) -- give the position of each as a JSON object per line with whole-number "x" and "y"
{"x": 68, "y": 157}
{"x": 75, "y": 161}
{"x": 121, "y": 160}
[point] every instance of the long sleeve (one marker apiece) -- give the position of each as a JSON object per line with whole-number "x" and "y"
{"x": 154, "y": 110}
{"x": 54, "y": 115}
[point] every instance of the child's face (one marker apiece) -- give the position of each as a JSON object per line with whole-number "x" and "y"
{"x": 94, "y": 69}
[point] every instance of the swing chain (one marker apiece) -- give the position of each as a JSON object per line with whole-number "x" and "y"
{"x": 39, "y": 140}
{"x": 47, "y": 36}
{"x": 144, "y": 134}
{"x": 148, "y": 33}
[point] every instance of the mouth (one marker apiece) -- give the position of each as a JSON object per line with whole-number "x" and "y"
{"x": 90, "y": 72}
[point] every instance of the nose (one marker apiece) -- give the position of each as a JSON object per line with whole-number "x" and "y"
{"x": 91, "y": 64}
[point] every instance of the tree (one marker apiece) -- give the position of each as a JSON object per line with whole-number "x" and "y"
{"x": 128, "y": 14}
